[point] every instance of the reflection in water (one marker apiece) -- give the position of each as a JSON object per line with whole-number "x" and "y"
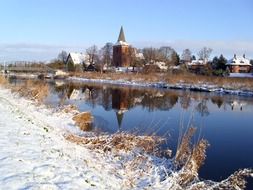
{"x": 224, "y": 120}
{"x": 124, "y": 101}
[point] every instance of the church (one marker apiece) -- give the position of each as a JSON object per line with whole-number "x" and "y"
{"x": 121, "y": 51}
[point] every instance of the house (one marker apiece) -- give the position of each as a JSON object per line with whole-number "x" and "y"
{"x": 196, "y": 65}
{"x": 77, "y": 61}
{"x": 121, "y": 51}
{"x": 239, "y": 64}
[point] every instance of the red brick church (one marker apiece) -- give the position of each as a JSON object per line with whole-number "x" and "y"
{"x": 121, "y": 51}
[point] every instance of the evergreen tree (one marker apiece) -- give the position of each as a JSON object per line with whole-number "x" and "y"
{"x": 215, "y": 62}
{"x": 222, "y": 63}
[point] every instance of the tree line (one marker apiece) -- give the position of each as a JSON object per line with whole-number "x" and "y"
{"x": 150, "y": 55}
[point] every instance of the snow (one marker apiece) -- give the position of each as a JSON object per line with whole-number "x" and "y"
{"x": 241, "y": 75}
{"x": 35, "y": 155}
{"x": 201, "y": 87}
{"x": 79, "y": 58}
{"x": 237, "y": 60}
{"x": 121, "y": 43}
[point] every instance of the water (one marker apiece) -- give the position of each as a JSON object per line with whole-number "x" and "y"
{"x": 226, "y": 121}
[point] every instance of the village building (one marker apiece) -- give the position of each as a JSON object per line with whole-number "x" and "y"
{"x": 121, "y": 51}
{"x": 239, "y": 64}
{"x": 196, "y": 65}
{"x": 77, "y": 61}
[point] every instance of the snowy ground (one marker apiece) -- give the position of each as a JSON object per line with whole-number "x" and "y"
{"x": 35, "y": 155}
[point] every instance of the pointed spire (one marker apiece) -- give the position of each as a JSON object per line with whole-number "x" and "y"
{"x": 119, "y": 116}
{"x": 121, "y": 35}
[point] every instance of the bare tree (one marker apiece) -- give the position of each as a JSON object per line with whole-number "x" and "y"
{"x": 151, "y": 55}
{"x": 106, "y": 53}
{"x": 92, "y": 52}
{"x": 186, "y": 55}
{"x": 62, "y": 56}
{"x": 133, "y": 59}
{"x": 205, "y": 53}
{"x": 168, "y": 55}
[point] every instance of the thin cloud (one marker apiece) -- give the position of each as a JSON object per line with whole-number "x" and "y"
{"x": 45, "y": 52}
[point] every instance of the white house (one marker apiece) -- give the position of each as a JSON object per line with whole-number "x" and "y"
{"x": 239, "y": 64}
{"x": 77, "y": 60}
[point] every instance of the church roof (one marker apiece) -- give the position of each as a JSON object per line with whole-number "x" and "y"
{"x": 121, "y": 35}
{"x": 121, "y": 38}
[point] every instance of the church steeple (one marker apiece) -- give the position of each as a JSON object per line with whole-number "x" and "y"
{"x": 119, "y": 115}
{"x": 121, "y": 35}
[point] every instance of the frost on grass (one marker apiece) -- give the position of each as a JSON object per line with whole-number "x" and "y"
{"x": 35, "y": 90}
{"x": 140, "y": 164}
{"x": 119, "y": 142}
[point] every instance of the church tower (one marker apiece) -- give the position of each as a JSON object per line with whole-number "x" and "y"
{"x": 121, "y": 51}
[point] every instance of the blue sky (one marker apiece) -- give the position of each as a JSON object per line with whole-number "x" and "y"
{"x": 39, "y": 29}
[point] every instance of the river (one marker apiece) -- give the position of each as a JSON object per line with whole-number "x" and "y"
{"x": 226, "y": 121}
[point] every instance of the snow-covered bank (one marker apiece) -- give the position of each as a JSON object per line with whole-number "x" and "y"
{"x": 35, "y": 137}
{"x": 201, "y": 87}
{"x": 35, "y": 155}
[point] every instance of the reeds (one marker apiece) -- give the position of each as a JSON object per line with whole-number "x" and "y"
{"x": 170, "y": 78}
{"x": 118, "y": 142}
{"x": 3, "y": 80}
{"x": 35, "y": 90}
{"x": 84, "y": 121}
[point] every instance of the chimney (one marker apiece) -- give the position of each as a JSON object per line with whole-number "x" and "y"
{"x": 234, "y": 56}
{"x": 244, "y": 56}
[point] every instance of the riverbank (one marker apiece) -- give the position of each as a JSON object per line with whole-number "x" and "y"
{"x": 56, "y": 155}
{"x": 233, "y": 86}
{"x": 220, "y": 85}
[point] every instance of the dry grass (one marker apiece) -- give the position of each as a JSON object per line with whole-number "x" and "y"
{"x": 35, "y": 90}
{"x": 187, "y": 78}
{"x": 190, "y": 169}
{"x": 3, "y": 81}
{"x": 84, "y": 121}
{"x": 70, "y": 109}
{"x": 118, "y": 142}
{"x": 184, "y": 150}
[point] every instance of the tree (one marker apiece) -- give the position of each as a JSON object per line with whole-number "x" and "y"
{"x": 56, "y": 64}
{"x": 251, "y": 62}
{"x": 205, "y": 53}
{"x": 151, "y": 55}
{"x": 186, "y": 55}
{"x": 133, "y": 59}
{"x": 168, "y": 55}
{"x": 193, "y": 57}
{"x": 219, "y": 65}
{"x": 106, "y": 53}
{"x": 92, "y": 52}
{"x": 222, "y": 63}
{"x": 174, "y": 58}
{"x": 62, "y": 56}
{"x": 215, "y": 62}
